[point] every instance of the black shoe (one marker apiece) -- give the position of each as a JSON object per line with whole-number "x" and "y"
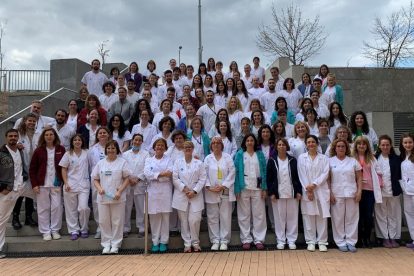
{"x": 16, "y": 223}
{"x": 173, "y": 233}
{"x": 2, "y": 255}
{"x": 368, "y": 244}
{"x": 30, "y": 222}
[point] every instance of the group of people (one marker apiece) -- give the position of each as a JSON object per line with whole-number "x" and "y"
{"x": 213, "y": 143}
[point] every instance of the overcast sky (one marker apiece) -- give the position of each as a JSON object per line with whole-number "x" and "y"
{"x": 41, "y": 30}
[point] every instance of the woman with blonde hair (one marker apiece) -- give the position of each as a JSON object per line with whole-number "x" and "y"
{"x": 297, "y": 143}
{"x": 333, "y": 90}
{"x": 235, "y": 111}
{"x": 371, "y": 188}
{"x": 219, "y": 194}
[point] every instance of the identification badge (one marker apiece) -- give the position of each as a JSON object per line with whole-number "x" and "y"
{"x": 226, "y": 191}
{"x": 108, "y": 173}
{"x": 219, "y": 176}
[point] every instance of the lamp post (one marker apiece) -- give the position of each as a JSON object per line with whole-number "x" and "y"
{"x": 179, "y": 55}
{"x": 200, "y": 48}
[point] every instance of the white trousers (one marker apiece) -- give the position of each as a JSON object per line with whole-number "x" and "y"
{"x": 270, "y": 212}
{"x": 95, "y": 208}
{"x": 388, "y": 218}
{"x": 315, "y": 228}
{"x": 409, "y": 213}
{"x": 190, "y": 226}
{"x": 285, "y": 211}
{"x": 258, "y": 211}
{"x": 49, "y": 209}
{"x": 77, "y": 211}
{"x": 159, "y": 228}
{"x": 139, "y": 201}
{"x": 7, "y": 203}
{"x": 219, "y": 221}
{"x": 111, "y": 223}
{"x": 345, "y": 217}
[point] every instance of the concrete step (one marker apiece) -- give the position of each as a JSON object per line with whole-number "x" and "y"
{"x": 36, "y": 243}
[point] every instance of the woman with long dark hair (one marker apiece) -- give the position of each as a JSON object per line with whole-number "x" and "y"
{"x": 250, "y": 188}
{"x": 140, "y": 105}
{"x": 135, "y": 75}
{"x": 336, "y": 117}
{"x": 241, "y": 93}
{"x": 75, "y": 175}
{"x": 46, "y": 180}
{"x": 359, "y": 127}
{"x": 285, "y": 192}
{"x": 407, "y": 181}
{"x": 388, "y": 213}
{"x": 120, "y": 132}
{"x": 292, "y": 95}
{"x": 224, "y": 132}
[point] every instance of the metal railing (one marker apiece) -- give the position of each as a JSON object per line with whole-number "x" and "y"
{"x": 15, "y": 80}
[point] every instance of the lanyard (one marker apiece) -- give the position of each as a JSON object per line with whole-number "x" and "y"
{"x": 214, "y": 111}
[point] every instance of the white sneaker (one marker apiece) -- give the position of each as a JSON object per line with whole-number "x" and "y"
{"x": 323, "y": 248}
{"x": 311, "y": 247}
{"x": 223, "y": 246}
{"x": 56, "y": 236}
{"x": 280, "y": 246}
{"x": 98, "y": 235}
{"x": 47, "y": 237}
{"x": 215, "y": 247}
{"x": 292, "y": 246}
{"x": 114, "y": 250}
{"x": 106, "y": 251}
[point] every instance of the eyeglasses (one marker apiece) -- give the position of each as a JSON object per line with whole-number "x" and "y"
{"x": 115, "y": 121}
{"x": 188, "y": 148}
{"x": 216, "y": 143}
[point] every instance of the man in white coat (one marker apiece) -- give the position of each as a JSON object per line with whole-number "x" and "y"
{"x": 209, "y": 111}
{"x": 41, "y": 121}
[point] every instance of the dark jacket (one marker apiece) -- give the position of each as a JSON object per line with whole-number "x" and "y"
{"x": 7, "y": 169}
{"x": 272, "y": 149}
{"x": 272, "y": 179}
{"x": 84, "y": 131}
{"x": 395, "y": 168}
{"x": 38, "y": 165}
{"x": 137, "y": 80}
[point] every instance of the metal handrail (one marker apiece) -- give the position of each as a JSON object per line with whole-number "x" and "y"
{"x": 21, "y": 111}
{"x": 123, "y": 70}
{"x": 146, "y": 220}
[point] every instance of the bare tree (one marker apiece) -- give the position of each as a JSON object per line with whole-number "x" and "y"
{"x": 393, "y": 39}
{"x": 3, "y": 26}
{"x": 291, "y": 35}
{"x": 102, "y": 51}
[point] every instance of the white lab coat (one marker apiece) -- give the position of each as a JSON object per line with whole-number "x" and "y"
{"x": 26, "y": 151}
{"x": 315, "y": 172}
{"x": 194, "y": 178}
{"x": 159, "y": 189}
{"x": 375, "y": 181}
{"x": 136, "y": 162}
{"x": 149, "y": 132}
{"x": 228, "y": 176}
{"x": 111, "y": 177}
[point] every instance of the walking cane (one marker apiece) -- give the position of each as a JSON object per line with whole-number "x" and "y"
{"x": 146, "y": 220}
